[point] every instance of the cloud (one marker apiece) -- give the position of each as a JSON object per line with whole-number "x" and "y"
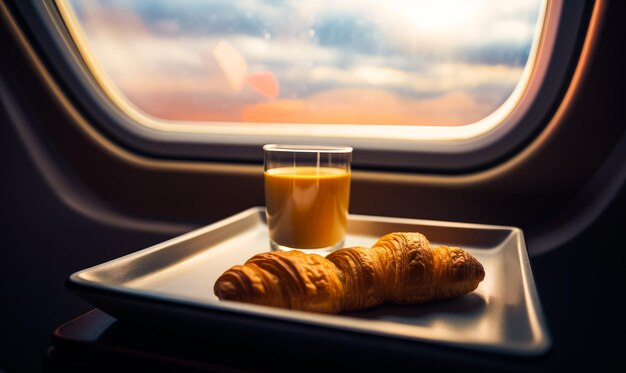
{"x": 434, "y": 80}
{"x": 195, "y": 17}
{"x": 349, "y": 31}
{"x": 416, "y": 57}
{"x": 370, "y": 106}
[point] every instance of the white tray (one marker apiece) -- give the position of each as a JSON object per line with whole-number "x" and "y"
{"x": 171, "y": 285}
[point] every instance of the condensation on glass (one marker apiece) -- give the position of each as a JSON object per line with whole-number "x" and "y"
{"x": 393, "y": 62}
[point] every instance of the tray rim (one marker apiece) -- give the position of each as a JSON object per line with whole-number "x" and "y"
{"x": 82, "y": 285}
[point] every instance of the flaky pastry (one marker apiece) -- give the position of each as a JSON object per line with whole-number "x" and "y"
{"x": 400, "y": 268}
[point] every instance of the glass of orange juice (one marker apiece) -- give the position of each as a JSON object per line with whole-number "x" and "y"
{"x": 307, "y": 192}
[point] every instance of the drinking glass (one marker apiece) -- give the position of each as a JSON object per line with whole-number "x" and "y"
{"x": 307, "y": 193}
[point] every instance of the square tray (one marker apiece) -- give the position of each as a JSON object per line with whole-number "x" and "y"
{"x": 170, "y": 285}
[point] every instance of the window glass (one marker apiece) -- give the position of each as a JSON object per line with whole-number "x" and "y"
{"x": 393, "y": 62}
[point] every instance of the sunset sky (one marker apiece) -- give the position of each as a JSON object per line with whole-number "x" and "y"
{"x": 404, "y": 62}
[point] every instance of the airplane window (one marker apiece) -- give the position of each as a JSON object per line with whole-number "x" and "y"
{"x": 399, "y": 75}
{"x": 281, "y": 64}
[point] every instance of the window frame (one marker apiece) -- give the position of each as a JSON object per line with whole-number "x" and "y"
{"x": 560, "y": 40}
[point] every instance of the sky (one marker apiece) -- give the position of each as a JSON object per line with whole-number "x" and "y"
{"x": 405, "y": 62}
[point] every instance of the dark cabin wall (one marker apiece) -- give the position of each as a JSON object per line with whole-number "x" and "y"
{"x": 43, "y": 242}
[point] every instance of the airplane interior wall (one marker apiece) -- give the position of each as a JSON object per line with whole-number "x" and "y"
{"x": 43, "y": 242}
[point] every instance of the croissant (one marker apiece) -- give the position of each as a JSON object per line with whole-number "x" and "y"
{"x": 400, "y": 268}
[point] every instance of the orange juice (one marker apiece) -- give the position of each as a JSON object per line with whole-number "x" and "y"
{"x": 307, "y": 207}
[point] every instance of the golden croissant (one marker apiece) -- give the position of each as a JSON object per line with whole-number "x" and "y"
{"x": 400, "y": 268}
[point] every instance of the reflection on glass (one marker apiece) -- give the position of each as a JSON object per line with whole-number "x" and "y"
{"x": 403, "y": 62}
